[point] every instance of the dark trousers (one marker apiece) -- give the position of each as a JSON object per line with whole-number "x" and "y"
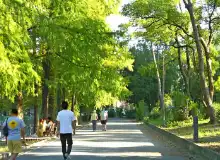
{"x": 66, "y": 138}
{"x": 94, "y": 125}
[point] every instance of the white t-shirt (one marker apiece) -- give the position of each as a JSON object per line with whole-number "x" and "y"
{"x": 104, "y": 115}
{"x": 66, "y": 117}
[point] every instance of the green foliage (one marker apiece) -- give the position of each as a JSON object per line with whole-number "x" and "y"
{"x": 181, "y": 108}
{"x": 217, "y": 110}
{"x": 142, "y": 79}
{"x": 73, "y": 39}
{"x": 16, "y": 69}
{"x": 146, "y": 120}
{"x": 155, "y": 112}
{"x": 140, "y": 110}
{"x": 120, "y": 112}
{"x": 167, "y": 100}
{"x": 112, "y": 112}
{"x": 131, "y": 114}
{"x": 167, "y": 25}
{"x": 217, "y": 84}
{"x": 194, "y": 107}
{"x": 76, "y": 110}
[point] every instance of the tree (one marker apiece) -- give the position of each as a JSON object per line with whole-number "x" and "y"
{"x": 61, "y": 46}
{"x": 168, "y": 22}
{"x": 208, "y": 94}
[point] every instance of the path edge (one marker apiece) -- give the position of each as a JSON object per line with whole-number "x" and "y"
{"x": 192, "y": 147}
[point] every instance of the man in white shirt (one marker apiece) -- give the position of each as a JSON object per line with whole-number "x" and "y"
{"x": 104, "y": 118}
{"x": 65, "y": 125}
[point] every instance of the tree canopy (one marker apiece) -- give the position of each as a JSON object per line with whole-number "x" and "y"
{"x": 64, "y": 47}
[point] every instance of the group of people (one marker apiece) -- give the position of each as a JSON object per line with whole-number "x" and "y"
{"x": 14, "y": 129}
{"x": 103, "y": 118}
{"x": 46, "y": 127}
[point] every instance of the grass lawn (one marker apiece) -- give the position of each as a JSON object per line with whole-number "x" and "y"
{"x": 209, "y": 135}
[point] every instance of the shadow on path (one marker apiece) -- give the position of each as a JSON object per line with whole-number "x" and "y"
{"x": 123, "y": 140}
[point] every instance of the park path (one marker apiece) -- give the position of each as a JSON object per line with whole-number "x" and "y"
{"x": 123, "y": 140}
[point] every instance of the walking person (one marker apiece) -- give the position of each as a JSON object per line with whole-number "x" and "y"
{"x": 104, "y": 119}
{"x": 15, "y": 130}
{"x": 65, "y": 125}
{"x": 94, "y": 118}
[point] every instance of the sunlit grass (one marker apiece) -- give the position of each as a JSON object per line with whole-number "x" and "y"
{"x": 209, "y": 135}
{"x": 156, "y": 122}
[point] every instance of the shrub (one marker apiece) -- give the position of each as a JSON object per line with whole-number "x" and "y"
{"x": 155, "y": 113}
{"x": 194, "y": 109}
{"x": 131, "y": 114}
{"x": 216, "y": 106}
{"x": 119, "y": 112}
{"x": 140, "y": 112}
{"x": 146, "y": 120}
{"x": 180, "y": 109}
{"x": 111, "y": 113}
{"x": 168, "y": 107}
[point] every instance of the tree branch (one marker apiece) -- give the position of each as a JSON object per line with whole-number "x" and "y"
{"x": 181, "y": 27}
{"x": 204, "y": 44}
{"x": 210, "y": 24}
{"x": 78, "y": 65}
{"x": 149, "y": 25}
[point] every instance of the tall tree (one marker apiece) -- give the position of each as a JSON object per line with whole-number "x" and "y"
{"x": 205, "y": 90}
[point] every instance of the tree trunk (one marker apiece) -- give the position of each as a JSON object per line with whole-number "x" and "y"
{"x": 203, "y": 84}
{"x": 182, "y": 70}
{"x": 52, "y": 106}
{"x": 188, "y": 72}
{"x": 52, "y": 109}
{"x": 36, "y": 116}
{"x": 209, "y": 67}
{"x": 73, "y": 103}
{"x": 163, "y": 90}
{"x": 63, "y": 94}
{"x": 20, "y": 105}
{"x": 45, "y": 89}
{"x": 58, "y": 98}
{"x": 194, "y": 60}
{"x": 158, "y": 78}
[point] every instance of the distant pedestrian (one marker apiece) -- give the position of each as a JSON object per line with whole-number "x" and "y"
{"x": 15, "y": 130}
{"x": 94, "y": 118}
{"x": 104, "y": 119}
{"x": 65, "y": 125}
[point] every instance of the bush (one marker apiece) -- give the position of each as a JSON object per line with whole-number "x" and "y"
{"x": 194, "y": 109}
{"x": 155, "y": 113}
{"x": 168, "y": 107}
{"x": 111, "y": 113}
{"x": 146, "y": 120}
{"x": 131, "y": 114}
{"x": 140, "y": 112}
{"x": 180, "y": 109}
{"x": 119, "y": 112}
{"x": 216, "y": 106}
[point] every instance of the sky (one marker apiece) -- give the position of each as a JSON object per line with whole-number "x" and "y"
{"x": 115, "y": 20}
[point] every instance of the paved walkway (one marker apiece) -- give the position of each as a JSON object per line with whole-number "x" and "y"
{"x": 123, "y": 140}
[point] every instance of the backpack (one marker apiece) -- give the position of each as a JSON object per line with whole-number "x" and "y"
{"x": 5, "y": 128}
